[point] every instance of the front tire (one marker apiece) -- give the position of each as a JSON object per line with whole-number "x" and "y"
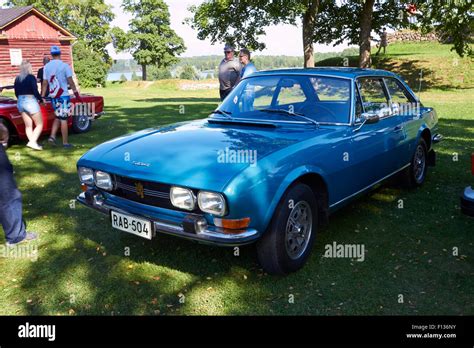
{"x": 287, "y": 244}
{"x": 81, "y": 124}
{"x": 414, "y": 176}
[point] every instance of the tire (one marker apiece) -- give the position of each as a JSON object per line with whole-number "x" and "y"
{"x": 414, "y": 176}
{"x": 11, "y": 132}
{"x": 276, "y": 250}
{"x": 81, "y": 124}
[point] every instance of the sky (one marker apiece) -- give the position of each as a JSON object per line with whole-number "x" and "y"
{"x": 280, "y": 39}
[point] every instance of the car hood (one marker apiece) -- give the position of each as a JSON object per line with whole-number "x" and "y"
{"x": 195, "y": 154}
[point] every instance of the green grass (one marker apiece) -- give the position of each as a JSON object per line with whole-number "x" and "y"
{"x": 82, "y": 268}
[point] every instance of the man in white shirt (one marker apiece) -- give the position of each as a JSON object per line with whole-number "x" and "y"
{"x": 57, "y": 76}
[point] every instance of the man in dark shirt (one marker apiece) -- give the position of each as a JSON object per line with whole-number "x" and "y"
{"x": 11, "y": 217}
{"x": 40, "y": 74}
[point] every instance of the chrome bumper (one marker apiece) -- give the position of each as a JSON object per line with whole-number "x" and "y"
{"x": 193, "y": 226}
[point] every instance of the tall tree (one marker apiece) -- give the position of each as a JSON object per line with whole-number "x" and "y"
{"x": 243, "y": 22}
{"x": 150, "y": 39}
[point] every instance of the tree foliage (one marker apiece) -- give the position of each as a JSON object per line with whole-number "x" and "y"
{"x": 150, "y": 40}
{"x": 88, "y": 20}
{"x": 89, "y": 67}
{"x": 452, "y": 20}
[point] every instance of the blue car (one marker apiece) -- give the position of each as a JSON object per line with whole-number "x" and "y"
{"x": 284, "y": 150}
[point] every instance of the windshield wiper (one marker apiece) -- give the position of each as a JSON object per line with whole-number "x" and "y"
{"x": 289, "y": 113}
{"x": 223, "y": 112}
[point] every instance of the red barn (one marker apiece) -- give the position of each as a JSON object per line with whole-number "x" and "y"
{"x": 26, "y": 33}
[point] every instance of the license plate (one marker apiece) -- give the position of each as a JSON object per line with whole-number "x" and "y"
{"x": 131, "y": 224}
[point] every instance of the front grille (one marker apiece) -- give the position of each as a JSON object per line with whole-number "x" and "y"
{"x": 146, "y": 192}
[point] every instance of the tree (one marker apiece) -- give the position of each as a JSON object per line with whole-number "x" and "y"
{"x": 150, "y": 40}
{"x": 189, "y": 73}
{"x": 155, "y": 73}
{"x": 452, "y": 20}
{"x": 89, "y": 67}
{"x": 354, "y": 21}
{"x": 242, "y": 22}
{"x": 88, "y": 20}
{"x": 123, "y": 78}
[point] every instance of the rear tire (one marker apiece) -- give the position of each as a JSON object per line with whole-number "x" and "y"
{"x": 414, "y": 176}
{"x": 287, "y": 244}
{"x": 11, "y": 131}
{"x": 81, "y": 124}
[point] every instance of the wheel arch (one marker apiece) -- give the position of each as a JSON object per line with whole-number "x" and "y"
{"x": 314, "y": 178}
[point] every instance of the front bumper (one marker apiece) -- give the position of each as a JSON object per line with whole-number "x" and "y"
{"x": 192, "y": 226}
{"x": 467, "y": 201}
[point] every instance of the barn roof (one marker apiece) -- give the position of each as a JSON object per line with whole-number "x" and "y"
{"x": 9, "y": 15}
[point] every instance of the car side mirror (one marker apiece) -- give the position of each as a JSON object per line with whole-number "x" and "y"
{"x": 370, "y": 118}
{"x": 367, "y": 118}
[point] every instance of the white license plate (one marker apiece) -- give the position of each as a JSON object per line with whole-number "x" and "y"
{"x": 131, "y": 224}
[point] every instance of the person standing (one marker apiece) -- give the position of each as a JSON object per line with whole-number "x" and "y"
{"x": 58, "y": 75}
{"x": 11, "y": 215}
{"x": 26, "y": 91}
{"x": 40, "y": 75}
{"x": 383, "y": 41}
{"x": 229, "y": 72}
{"x": 248, "y": 67}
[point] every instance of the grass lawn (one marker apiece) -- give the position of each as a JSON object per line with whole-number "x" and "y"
{"x": 83, "y": 266}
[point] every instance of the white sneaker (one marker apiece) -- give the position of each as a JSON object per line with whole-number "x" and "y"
{"x": 35, "y": 146}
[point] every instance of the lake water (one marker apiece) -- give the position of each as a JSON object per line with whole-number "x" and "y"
{"x": 115, "y": 76}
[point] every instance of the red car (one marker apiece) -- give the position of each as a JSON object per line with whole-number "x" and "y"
{"x": 91, "y": 107}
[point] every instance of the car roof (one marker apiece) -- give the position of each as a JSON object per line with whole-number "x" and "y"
{"x": 330, "y": 71}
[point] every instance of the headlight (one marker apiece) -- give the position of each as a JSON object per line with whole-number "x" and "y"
{"x": 86, "y": 175}
{"x": 182, "y": 198}
{"x": 103, "y": 180}
{"x": 212, "y": 203}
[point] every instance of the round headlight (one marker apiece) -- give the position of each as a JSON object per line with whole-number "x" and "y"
{"x": 212, "y": 203}
{"x": 182, "y": 198}
{"x": 86, "y": 175}
{"x": 103, "y": 180}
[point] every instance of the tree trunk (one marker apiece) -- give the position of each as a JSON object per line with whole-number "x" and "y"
{"x": 144, "y": 72}
{"x": 365, "y": 29}
{"x": 309, "y": 19}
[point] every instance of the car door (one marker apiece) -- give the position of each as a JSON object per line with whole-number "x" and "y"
{"x": 408, "y": 109}
{"x": 375, "y": 146}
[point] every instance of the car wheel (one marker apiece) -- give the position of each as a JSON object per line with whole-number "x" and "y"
{"x": 81, "y": 124}
{"x": 11, "y": 133}
{"x": 288, "y": 242}
{"x": 415, "y": 175}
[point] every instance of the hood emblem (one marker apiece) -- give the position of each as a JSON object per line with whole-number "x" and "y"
{"x": 139, "y": 190}
{"x": 141, "y": 164}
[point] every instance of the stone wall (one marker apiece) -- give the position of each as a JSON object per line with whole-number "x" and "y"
{"x": 411, "y": 36}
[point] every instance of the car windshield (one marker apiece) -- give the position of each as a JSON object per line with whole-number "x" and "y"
{"x": 303, "y": 98}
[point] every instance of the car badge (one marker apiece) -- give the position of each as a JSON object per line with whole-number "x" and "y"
{"x": 139, "y": 190}
{"x": 141, "y": 164}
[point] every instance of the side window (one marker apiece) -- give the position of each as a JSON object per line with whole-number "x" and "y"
{"x": 291, "y": 92}
{"x": 373, "y": 95}
{"x": 358, "y": 107}
{"x": 398, "y": 94}
{"x": 400, "y": 99}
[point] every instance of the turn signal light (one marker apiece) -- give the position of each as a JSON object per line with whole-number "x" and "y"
{"x": 472, "y": 163}
{"x": 232, "y": 224}
{"x": 84, "y": 187}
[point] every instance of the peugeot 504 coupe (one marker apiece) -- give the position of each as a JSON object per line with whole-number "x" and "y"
{"x": 284, "y": 150}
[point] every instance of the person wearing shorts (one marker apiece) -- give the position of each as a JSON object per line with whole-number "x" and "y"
{"x": 26, "y": 91}
{"x": 57, "y": 78}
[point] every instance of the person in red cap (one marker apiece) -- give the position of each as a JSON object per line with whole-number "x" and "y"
{"x": 56, "y": 78}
